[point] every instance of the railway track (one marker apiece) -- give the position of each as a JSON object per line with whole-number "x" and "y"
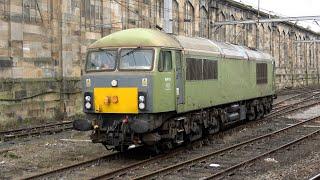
{"x": 284, "y": 92}
{"x": 57, "y": 172}
{"x": 305, "y": 99}
{"x": 315, "y": 177}
{"x": 123, "y": 170}
{"x": 36, "y": 130}
{"x": 313, "y": 92}
{"x": 241, "y": 152}
{"x": 310, "y": 100}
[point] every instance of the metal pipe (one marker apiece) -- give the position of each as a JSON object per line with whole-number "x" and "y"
{"x": 279, "y": 19}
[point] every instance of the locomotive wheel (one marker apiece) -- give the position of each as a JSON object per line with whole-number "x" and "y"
{"x": 195, "y": 136}
{"x": 167, "y": 145}
{"x": 215, "y": 128}
{"x": 252, "y": 115}
{"x": 260, "y": 111}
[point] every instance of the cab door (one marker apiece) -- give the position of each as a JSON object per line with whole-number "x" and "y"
{"x": 179, "y": 78}
{"x": 165, "y": 82}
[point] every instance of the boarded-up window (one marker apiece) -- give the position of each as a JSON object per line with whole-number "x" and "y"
{"x": 188, "y": 19}
{"x": 175, "y": 17}
{"x": 194, "y": 69}
{"x": 204, "y": 21}
{"x": 91, "y": 13}
{"x": 4, "y": 8}
{"x": 160, "y": 9}
{"x": 262, "y": 73}
{"x": 32, "y": 11}
{"x": 210, "y": 69}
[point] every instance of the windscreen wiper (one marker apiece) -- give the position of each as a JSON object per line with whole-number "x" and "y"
{"x": 106, "y": 51}
{"x": 132, "y": 51}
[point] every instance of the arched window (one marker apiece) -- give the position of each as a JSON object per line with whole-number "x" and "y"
{"x": 4, "y": 7}
{"x": 269, "y": 40}
{"x": 242, "y": 34}
{"x": 188, "y": 19}
{"x": 253, "y": 36}
{"x": 285, "y": 48}
{"x": 221, "y": 30}
{"x": 32, "y": 9}
{"x": 160, "y": 8}
{"x": 277, "y": 46}
{"x": 299, "y": 52}
{"x": 145, "y": 12}
{"x": 232, "y": 31}
{"x": 133, "y": 11}
{"x": 92, "y": 14}
{"x": 204, "y": 22}
{"x": 261, "y": 37}
{"x": 175, "y": 17}
{"x": 295, "y": 46}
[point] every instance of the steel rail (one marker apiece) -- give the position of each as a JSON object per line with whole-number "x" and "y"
{"x": 306, "y": 99}
{"x": 315, "y": 177}
{"x": 34, "y": 127}
{"x": 297, "y": 95}
{"x": 287, "y": 110}
{"x": 197, "y": 159}
{"x": 263, "y": 155}
{"x": 112, "y": 174}
{"x": 54, "y": 127}
{"x": 73, "y": 166}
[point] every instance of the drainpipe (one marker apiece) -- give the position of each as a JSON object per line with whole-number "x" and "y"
{"x": 62, "y": 87}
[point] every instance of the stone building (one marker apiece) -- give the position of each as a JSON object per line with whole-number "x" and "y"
{"x": 43, "y": 45}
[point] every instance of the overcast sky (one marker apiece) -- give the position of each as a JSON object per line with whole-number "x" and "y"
{"x": 290, "y": 8}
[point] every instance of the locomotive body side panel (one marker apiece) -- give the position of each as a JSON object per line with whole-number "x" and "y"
{"x": 236, "y": 82}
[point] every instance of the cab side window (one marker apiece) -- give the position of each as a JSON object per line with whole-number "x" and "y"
{"x": 165, "y": 61}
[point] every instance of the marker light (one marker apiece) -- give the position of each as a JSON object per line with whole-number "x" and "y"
{"x": 141, "y": 98}
{"x": 88, "y": 105}
{"x": 142, "y": 106}
{"x": 88, "y": 98}
{"x": 114, "y": 83}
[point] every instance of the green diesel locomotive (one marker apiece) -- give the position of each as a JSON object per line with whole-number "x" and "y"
{"x": 146, "y": 87}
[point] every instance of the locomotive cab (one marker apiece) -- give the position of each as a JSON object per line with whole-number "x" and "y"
{"x": 130, "y": 80}
{"x": 126, "y": 89}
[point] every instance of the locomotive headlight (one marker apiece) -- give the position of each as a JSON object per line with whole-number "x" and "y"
{"x": 142, "y": 105}
{"x": 114, "y": 83}
{"x": 88, "y": 98}
{"x": 88, "y": 105}
{"x": 141, "y": 98}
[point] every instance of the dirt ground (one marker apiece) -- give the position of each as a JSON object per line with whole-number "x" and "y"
{"x": 40, "y": 154}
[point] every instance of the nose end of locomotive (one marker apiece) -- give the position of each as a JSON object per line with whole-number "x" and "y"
{"x": 82, "y": 125}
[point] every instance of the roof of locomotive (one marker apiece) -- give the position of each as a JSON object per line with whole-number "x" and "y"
{"x": 137, "y": 37}
{"x": 155, "y": 38}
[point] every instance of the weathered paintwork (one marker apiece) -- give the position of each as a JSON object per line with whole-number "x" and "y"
{"x": 125, "y": 79}
{"x": 236, "y": 81}
{"x": 136, "y": 37}
{"x": 116, "y": 100}
{"x": 236, "y": 72}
